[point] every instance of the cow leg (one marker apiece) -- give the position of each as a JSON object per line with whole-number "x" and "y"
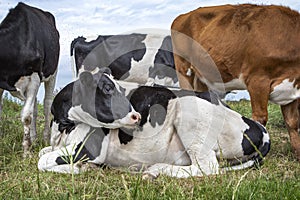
{"x": 33, "y": 135}
{"x": 291, "y": 118}
{"x": 1, "y": 93}
{"x": 199, "y": 85}
{"x": 49, "y": 88}
{"x": 48, "y": 161}
{"x": 299, "y": 115}
{"x": 28, "y": 110}
{"x": 45, "y": 150}
{"x": 259, "y": 97}
{"x": 189, "y": 80}
{"x": 201, "y": 165}
{"x": 184, "y": 73}
{"x": 65, "y": 159}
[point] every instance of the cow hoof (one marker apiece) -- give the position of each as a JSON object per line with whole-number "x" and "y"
{"x": 137, "y": 168}
{"x": 27, "y": 154}
{"x": 84, "y": 167}
{"x": 148, "y": 176}
{"x": 45, "y": 150}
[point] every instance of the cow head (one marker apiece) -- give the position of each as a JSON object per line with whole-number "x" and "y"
{"x": 99, "y": 101}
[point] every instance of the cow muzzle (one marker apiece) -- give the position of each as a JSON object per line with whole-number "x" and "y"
{"x": 135, "y": 118}
{"x": 131, "y": 120}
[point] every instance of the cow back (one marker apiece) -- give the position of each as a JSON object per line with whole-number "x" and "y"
{"x": 31, "y": 44}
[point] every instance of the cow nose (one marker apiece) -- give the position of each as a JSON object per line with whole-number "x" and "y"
{"x": 135, "y": 117}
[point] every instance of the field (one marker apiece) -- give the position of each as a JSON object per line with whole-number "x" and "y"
{"x": 278, "y": 178}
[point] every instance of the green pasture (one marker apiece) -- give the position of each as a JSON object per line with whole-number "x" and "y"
{"x": 278, "y": 178}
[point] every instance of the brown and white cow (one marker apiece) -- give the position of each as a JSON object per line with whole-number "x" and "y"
{"x": 243, "y": 47}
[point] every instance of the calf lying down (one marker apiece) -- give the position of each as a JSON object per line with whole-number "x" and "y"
{"x": 180, "y": 134}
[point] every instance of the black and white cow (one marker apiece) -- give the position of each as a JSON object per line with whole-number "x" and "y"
{"x": 29, "y": 55}
{"x": 132, "y": 57}
{"x": 94, "y": 100}
{"x": 180, "y": 134}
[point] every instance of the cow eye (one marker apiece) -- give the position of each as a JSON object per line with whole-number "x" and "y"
{"x": 108, "y": 89}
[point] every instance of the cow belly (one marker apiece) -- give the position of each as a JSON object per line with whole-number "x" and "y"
{"x": 234, "y": 84}
{"x": 144, "y": 152}
{"x": 159, "y": 144}
{"x": 285, "y": 92}
{"x": 22, "y": 84}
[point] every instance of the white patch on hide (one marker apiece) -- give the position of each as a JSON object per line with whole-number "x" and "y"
{"x": 234, "y": 84}
{"x": 128, "y": 86}
{"x": 77, "y": 114}
{"x": 285, "y": 92}
{"x": 82, "y": 69}
{"x": 166, "y": 81}
{"x": 149, "y": 146}
{"x": 21, "y": 86}
{"x": 139, "y": 71}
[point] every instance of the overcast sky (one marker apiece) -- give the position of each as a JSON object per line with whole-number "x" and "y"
{"x": 93, "y": 17}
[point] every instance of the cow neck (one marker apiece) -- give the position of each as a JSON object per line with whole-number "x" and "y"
{"x": 77, "y": 114}
{"x": 104, "y": 149}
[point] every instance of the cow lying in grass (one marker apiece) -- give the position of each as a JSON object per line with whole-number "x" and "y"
{"x": 180, "y": 134}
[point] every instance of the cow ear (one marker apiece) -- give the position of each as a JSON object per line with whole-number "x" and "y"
{"x": 86, "y": 78}
{"x": 105, "y": 70}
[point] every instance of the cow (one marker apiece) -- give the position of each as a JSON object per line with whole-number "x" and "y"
{"x": 180, "y": 134}
{"x": 243, "y": 46}
{"x": 136, "y": 57}
{"x": 99, "y": 101}
{"x": 29, "y": 56}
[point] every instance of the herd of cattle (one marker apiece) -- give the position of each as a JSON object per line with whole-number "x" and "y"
{"x": 150, "y": 101}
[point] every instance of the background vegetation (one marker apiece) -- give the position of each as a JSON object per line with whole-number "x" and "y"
{"x": 278, "y": 178}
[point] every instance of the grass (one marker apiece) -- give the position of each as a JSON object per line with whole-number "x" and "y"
{"x": 278, "y": 178}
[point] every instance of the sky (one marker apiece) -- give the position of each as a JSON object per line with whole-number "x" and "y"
{"x": 101, "y": 17}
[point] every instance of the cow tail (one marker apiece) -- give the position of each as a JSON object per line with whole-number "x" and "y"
{"x": 256, "y": 158}
{"x": 72, "y": 62}
{"x": 72, "y": 47}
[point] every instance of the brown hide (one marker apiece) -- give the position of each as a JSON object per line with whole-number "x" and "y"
{"x": 257, "y": 45}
